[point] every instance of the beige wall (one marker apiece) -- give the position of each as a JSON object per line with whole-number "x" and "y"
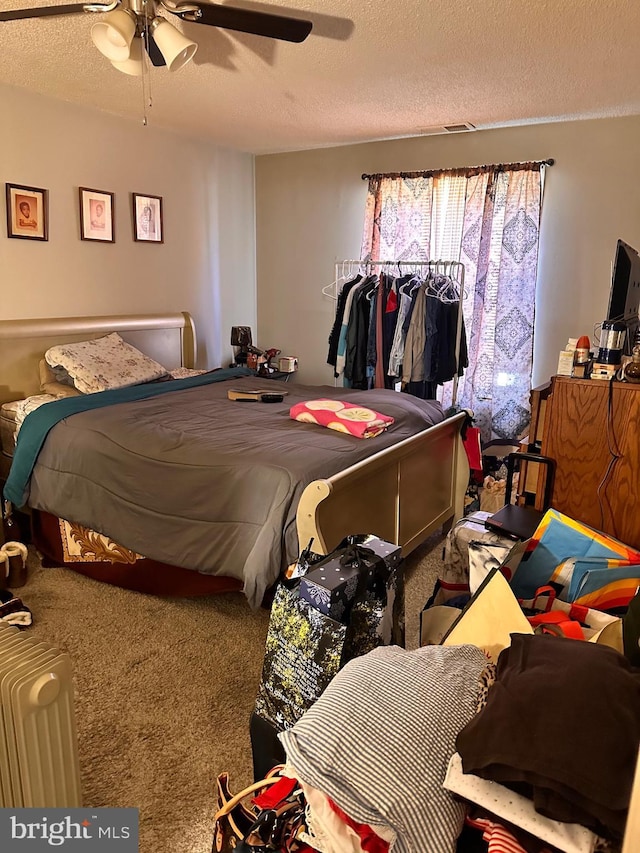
{"x": 310, "y": 208}
{"x": 207, "y": 263}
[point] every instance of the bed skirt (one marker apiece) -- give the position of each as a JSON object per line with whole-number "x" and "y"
{"x": 61, "y": 543}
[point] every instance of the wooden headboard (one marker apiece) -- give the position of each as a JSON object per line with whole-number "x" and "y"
{"x": 168, "y": 338}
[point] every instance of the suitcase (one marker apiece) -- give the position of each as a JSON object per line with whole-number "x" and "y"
{"x": 522, "y": 521}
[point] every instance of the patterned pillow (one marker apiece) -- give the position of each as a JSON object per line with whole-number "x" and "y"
{"x": 104, "y": 363}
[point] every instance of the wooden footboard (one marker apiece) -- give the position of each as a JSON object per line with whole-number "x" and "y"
{"x": 401, "y": 494}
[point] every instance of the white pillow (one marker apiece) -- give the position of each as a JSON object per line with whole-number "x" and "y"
{"x": 104, "y": 363}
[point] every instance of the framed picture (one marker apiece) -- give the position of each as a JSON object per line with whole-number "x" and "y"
{"x": 96, "y": 215}
{"x": 27, "y": 212}
{"x": 147, "y": 218}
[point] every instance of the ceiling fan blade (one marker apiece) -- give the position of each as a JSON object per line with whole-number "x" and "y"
{"x": 44, "y": 11}
{"x": 157, "y": 59}
{"x": 246, "y": 21}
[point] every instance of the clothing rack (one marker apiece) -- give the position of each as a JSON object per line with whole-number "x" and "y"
{"x": 345, "y": 269}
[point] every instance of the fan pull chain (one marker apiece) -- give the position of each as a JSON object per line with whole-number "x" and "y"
{"x": 147, "y": 98}
{"x": 144, "y": 95}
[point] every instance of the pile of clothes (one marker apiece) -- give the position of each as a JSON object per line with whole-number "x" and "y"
{"x": 439, "y": 750}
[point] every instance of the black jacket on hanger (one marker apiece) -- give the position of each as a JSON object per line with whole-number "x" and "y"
{"x": 355, "y": 368}
{"x": 334, "y": 336}
{"x": 443, "y": 345}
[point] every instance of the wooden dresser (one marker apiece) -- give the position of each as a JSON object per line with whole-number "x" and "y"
{"x": 587, "y": 424}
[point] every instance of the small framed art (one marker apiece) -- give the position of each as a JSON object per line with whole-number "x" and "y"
{"x": 96, "y": 215}
{"x": 27, "y": 212}
{"x": 147, "y": 218}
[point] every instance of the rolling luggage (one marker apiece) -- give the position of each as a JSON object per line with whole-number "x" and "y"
{"x": 522, "y": 521}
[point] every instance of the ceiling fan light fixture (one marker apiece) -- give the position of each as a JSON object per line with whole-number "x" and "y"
{"x": 135, "y": 64}
{"x": 113, "y": 36}
{"x": 175, "y": 47}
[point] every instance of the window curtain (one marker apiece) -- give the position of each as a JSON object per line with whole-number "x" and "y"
{"x": 489, "y": 219}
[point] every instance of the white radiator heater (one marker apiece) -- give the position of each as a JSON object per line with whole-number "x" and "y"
{"x": 39, "y": 764}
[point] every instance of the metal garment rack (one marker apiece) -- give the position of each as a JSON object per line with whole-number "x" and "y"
{"x": 346, "y": 269}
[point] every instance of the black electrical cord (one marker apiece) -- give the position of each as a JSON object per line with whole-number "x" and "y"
{"x": 614, "y": 453}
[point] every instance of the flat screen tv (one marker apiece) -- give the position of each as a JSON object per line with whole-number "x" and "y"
{"x": 624, "y": 298}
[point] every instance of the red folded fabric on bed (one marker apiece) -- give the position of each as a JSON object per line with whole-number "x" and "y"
{"x": 343, "y": 417}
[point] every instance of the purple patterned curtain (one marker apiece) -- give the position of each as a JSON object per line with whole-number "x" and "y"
{"x": 498, "y": 244}
{"x": 397, "y": 222}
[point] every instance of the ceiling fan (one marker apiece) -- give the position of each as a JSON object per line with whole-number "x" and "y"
{"x": 132, "y": 26}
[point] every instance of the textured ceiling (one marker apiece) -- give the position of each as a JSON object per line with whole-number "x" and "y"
{"x": 369, "y": 70}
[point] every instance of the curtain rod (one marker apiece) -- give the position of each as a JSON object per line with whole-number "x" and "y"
{"x": 498, "y": 167}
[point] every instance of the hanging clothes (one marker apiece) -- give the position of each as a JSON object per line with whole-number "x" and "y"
{"x": 443, "y": 304}
{"x": 355, "y": 369}
{"x": 397, "y": 347}
{"x": 413, "y": 362}
{"x": 443, "y": 364}
{"x": 389, "y": 323}
{"x": 399, "y": 327}
{"x": 340, "y": 360}
{"x": 372, "y": 352}
{"x": 381, "y": 303}
{"x": 342, "y": 314}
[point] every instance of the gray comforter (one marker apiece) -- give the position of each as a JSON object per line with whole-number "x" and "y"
{"x": 193, "y": 479}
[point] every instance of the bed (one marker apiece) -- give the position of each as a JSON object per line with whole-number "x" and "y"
{"x": 278, "y": 482}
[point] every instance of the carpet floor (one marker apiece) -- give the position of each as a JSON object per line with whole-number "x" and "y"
{"x": 164, "y": 691}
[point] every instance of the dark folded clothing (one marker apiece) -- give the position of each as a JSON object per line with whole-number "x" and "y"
{"x": 561, "y": 725}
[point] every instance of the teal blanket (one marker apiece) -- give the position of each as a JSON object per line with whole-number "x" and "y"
{"x": 37, "y": 425}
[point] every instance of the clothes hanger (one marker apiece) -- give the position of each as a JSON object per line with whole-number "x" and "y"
{"x": 450, "y": 292}
{"x": 370, "y": 294}
{"x": 410, "y": 286}
{"x": 331, "y": 290}
{"x": 347, "y": 273}
{"x": 438, "y": 288}
{"x": 376, "y": 285}
{"x": 419, "y": 281}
